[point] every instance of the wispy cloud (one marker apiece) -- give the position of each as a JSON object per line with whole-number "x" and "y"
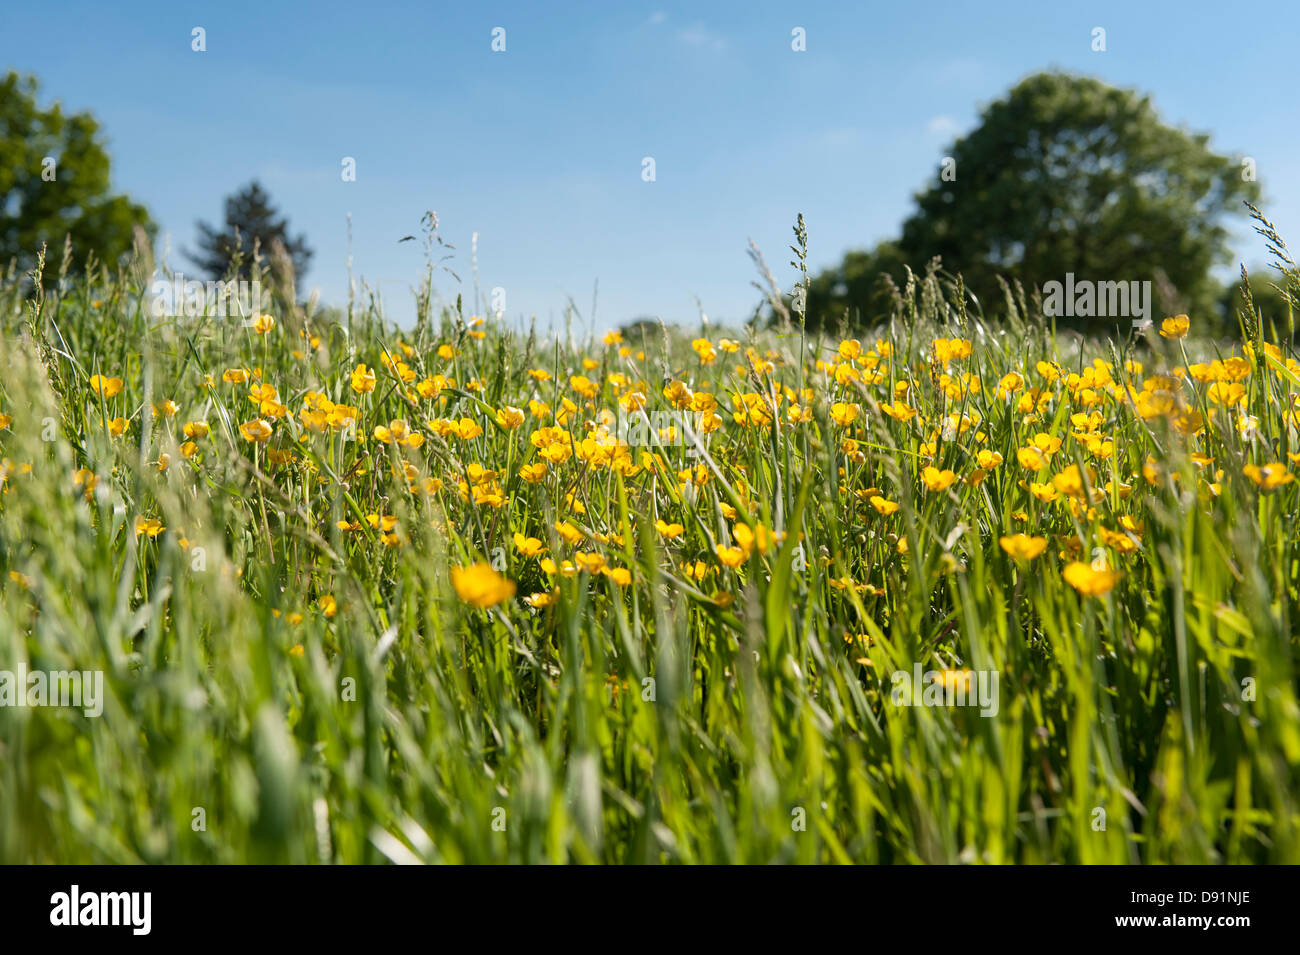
{"x": 942, "y": 126}
{"x": 700, "y": 36}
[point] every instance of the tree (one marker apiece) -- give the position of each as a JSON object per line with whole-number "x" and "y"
{"x": 251, "y": 221}
{"x": 855, "y": 289}
{"x": 1066, "y": 174}
{"x": 54, "y": 181}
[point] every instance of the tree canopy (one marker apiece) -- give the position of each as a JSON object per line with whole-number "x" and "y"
{"x": 55, "y": 183}
{"x": 250, "y": 222}
{"x": 1063, "y": 175}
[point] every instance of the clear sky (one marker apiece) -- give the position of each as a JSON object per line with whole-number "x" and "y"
{"x": 539, "y": 149}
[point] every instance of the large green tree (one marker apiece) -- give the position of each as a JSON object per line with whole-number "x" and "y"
{"x": 1065, "y": 174}
{"x": 54, "y": 181}
{"x": 251, "y": 221}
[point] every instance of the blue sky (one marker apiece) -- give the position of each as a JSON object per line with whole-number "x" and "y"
{"x": 539, "y": 149}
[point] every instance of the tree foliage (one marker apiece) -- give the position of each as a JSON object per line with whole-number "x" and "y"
{"x": 251, "y": 223}
{"x": 1066, "y": 174}
{"x": 55, "y": 183}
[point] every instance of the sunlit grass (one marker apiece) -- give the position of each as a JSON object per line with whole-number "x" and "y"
{"x": 363, "y": 594}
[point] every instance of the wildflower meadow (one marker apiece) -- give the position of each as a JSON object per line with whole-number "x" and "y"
{"x": 944, "y": 590}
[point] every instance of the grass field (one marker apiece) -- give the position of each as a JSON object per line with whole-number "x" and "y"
{"x": 459, "y": 593}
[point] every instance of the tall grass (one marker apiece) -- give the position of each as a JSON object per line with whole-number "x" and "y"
{"x": 291, "y": 678}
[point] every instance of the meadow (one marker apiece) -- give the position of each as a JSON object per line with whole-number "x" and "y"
{"x": 466, "y": 592}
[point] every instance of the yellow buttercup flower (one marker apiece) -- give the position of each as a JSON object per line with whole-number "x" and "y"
{"x": 1031, "y": 459}
{"x": 1069, "y": 482}
{"x": 948, "y": 350}
{"x": 480, "y": 586}
{"x": 1090, "y": 581}
{"x": 584, "y": 386}
{"x": 882, "y": 505}
{"x": 568, "y": 532}
{"x": 105, "y": 387}
{"x": 1175, "y": 327}
{"x": 760, "y": 538}
{"x": 528, "y": 546}
{"x": 398, "y": 431}
{"x": 937, "y": 480}
{"x": 509, "y": 418}
{"x": 731, "y": 557}
{"x": 1048, "y": 444}
{"x": 363, "y": 380}
{"x": 1268, "y": 476}
{"x": 467, "y": 429}
{"x": 845, "y": 414}
{"x": 257, "y": 430}
{"x": 704, "y": 348}
{"x": 590, "y": 562}
{"x": 1044, "y": 492}
{"x": 1011, "y": 383}
{"x": 87, "y": 480}
{"x": 669, "y": 531}
{"x": 149, "y": 526}
{"x": 1023, "y": 546}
